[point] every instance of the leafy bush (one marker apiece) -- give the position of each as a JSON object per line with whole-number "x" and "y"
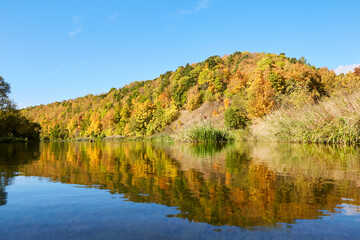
{"x": 235, "y": 118}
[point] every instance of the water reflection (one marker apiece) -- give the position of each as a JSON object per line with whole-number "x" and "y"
{"x": 12, "y": 156}
{"x": 246, "y": 185}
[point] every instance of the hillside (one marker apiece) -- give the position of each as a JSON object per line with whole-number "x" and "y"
{"x": 243, "y": 85}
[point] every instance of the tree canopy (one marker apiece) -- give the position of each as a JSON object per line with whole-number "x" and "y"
{"x": 5, "y": 102}
{"x": 252, "y": 85}
{"x": 12, "y": 123}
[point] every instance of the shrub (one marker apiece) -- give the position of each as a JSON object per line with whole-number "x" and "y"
{"x": 235, "y": 118}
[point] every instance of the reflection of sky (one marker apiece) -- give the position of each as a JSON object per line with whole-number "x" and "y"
{"x": 350, "y": 210}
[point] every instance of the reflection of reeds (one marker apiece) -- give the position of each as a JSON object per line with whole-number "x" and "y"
{"x": 204, "y": 132}
{"x": 206, "y": 149}
{"x": 336, "y": 120}
{"x": 338, "y": 163}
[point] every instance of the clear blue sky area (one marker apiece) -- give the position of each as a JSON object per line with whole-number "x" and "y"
{"x": 62, "y": 49}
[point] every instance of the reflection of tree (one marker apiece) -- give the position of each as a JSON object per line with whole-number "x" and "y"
{"x": 12, "y": 157}
{"x": 3, "y": 194}
{"x": 236, "y": 186}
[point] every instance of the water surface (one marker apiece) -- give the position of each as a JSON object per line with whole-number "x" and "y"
{"x": 143, "y": 190}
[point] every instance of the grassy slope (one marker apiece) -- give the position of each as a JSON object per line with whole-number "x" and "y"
{"x": 333, "y": 120}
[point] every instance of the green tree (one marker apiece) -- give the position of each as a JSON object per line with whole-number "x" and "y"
{"x": 235, "y": 118}
{"x": 5, "y": 102}
{"x": 12, "y": 123}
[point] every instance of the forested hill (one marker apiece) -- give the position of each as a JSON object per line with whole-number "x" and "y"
{"x": 248, "y": 86}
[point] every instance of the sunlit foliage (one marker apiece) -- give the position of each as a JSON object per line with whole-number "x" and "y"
{"x": 256, "y": 83}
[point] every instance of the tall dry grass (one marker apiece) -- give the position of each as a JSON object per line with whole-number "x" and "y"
{"x": 334, "y": 120}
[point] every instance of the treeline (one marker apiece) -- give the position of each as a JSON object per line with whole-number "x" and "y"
{"x": 13, "y": 125}
{"x": 250, "y": 85}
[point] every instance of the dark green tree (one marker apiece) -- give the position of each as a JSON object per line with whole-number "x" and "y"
{"x": 235, "y": 118}
{"x": 12, "y": 123}
{"x": 5, "y": 102}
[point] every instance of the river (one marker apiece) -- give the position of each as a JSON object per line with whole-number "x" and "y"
{"x": 144, "y": 190}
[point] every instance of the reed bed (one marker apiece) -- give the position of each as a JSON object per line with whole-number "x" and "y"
{"x": 204, "y": 132}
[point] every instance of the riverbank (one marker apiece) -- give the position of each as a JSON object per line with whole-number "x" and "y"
{"x": 12, "y": 140}
{"x": 334, "y": 120}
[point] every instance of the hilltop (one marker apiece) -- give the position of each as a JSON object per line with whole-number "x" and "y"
{"x": 231, "y": 90}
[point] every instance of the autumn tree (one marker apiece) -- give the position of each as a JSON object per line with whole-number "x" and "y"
{"x": 260, "y": 95}
{"x": 357, "y": 71}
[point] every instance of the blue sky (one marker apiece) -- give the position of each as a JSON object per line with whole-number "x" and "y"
{"x": 57, "y": 50}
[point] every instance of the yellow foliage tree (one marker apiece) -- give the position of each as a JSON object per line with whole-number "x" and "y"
{"x": 260, "y": 97}
{"x": 95, "y": 127}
